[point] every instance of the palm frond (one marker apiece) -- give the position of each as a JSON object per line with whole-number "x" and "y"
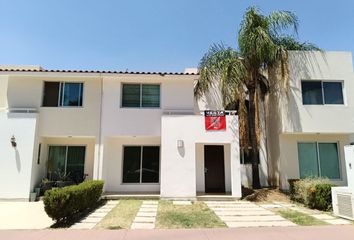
{"x": 282, "y": 20}
{"x": 221, "y": 64}
{"x": 289, "y": 43}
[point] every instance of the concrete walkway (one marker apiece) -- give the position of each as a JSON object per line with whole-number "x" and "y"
{"x": 246, "y": 214}
{"x": 315, "y": 213}
{"x": 146, "y": 216}
{"x": 96, "y": 216}
{"x": 274, "y": 233}
{"x": 23, "y": 215}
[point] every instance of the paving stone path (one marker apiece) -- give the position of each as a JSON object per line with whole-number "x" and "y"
{"x": 95, "y": 217}
{"x": 146, "y": 216}
{"x": 316, "y": 214}
{"x": 246, "y": 214}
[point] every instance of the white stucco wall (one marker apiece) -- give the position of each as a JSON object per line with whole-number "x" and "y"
{"x": 328, "y": 66}
{"x": 176, "y": 92}
{"x": 25, "y": 90}
{"x": 289, "y": 163}
{"x": 16, "y": 163}
{"x": 179, "y": 171}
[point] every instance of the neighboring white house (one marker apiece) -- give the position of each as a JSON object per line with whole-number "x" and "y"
{"x": 308, "y": 128}
{"x": 145, "y": 132}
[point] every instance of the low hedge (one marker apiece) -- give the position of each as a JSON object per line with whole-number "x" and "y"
{"x": 313, "y": 192}
{"x": 63, "y": 203}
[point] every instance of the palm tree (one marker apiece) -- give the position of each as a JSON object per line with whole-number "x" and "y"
{"x": 242, "y": 74}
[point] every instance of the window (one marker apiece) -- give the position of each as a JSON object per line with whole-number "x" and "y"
{"x": 318, "y": 160}
{"x": 141, "y": 95}
{"x": 246, "y": 157}
{"x": 39, "y": 154}
{"x": 141, "y": 164}
{"x": 320, "y": 92}
{"x": 58, "y": 94}
{"x": 66, "y": 160}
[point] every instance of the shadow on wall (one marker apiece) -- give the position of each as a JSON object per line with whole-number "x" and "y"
{"x": 181, "y": 151}
{"x": 211, "y": 100}
{"x": 282, "y": 104}
{"x": 18, "y": 160}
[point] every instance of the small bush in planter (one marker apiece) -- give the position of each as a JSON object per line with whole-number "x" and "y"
{"x": 64, "y": 203}
{"x": 64, "y": 180}
{"x": 45, "y": 185}
{"x": 314, "y": 193}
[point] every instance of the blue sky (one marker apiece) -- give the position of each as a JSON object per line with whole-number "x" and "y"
{"x": 149, "y": 35}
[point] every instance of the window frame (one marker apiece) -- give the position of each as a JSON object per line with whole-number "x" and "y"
{"x": 318, "y": 158}
{"x": 322, "y": 91}
{"x": 66, "y": 153}
{"x": 141, "y": 95}
{"x": 141, "y": 164}
{"x": 60, "y": 98}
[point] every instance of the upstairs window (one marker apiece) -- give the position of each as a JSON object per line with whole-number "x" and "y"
{"x": 321, "y": 92}
{"x": 62, "y": 94}
{"x": 141, "y": 95}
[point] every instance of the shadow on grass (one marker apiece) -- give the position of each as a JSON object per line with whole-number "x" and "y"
{"x": 68, "y": 222}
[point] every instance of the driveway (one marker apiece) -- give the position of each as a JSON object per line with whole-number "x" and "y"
{"x": 23, "y": 215}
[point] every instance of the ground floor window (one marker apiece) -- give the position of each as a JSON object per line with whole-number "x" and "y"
{"x": 319, "y": 159}
{"x": 67, "y": 161}
{"x": 141, "y": 164}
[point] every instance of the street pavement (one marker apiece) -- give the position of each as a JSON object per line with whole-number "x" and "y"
{"x": 265, "y": 233}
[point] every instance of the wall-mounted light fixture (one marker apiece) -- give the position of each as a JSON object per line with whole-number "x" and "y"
{"x": 13, "y": 141}
{"x": 180, "y": 143}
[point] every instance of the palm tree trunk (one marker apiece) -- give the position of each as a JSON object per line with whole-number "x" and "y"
{"x": 253, "y": 137}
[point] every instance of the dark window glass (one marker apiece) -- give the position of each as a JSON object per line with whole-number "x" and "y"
{"x": 150, "y": 95}
{"x": 329, "y": 161}
{"x": 131, "y": 164}
{"x": 151, "y": 165}
{"x": 39, "y": 154}
{"x": 333, "y": 93}
{"x": 246, "y": 157}
{"x": 308, "y": 163}
{"x": 318, "y": 160}
{"x": 311, "y": 92}
{"x": 72, "y": 94}
{"x": 56, "y": 162}
{"x": 51, "y": 94}
{"x": 131, "y": 95}
{"x": 75, "y": 163}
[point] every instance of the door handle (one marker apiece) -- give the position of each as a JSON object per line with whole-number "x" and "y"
{"x": 205, "y": 170}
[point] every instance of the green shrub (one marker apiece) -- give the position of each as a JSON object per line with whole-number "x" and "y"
{"x": 63, "y": 203}
{"x": 292, "y": 188}
{"x": 313, "y": 192}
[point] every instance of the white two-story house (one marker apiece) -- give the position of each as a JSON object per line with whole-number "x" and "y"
{"x": 145, "y": 133}
{"x": 308, "y": 127}
{"x": 140, "y": 132}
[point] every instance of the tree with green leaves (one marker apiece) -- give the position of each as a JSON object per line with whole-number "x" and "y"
{"x": 263, "y": 42}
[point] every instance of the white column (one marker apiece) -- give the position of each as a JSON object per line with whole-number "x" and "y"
{"x": 98, "y": 161}
{"x": 235, "y": 170}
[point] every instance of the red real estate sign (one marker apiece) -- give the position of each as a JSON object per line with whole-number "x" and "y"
{"x": 215, "y": 120}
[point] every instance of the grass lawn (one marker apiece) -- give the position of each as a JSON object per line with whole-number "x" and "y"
{"x": 122, "y": 216}
{"x": 197, "y": 215}
{"x": 299, "y": 218}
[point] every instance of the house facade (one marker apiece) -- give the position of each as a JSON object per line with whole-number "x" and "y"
{"x": 140, "y": 132}
{"x": 146, "y": 133}
{"x": 308, "y": 127}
